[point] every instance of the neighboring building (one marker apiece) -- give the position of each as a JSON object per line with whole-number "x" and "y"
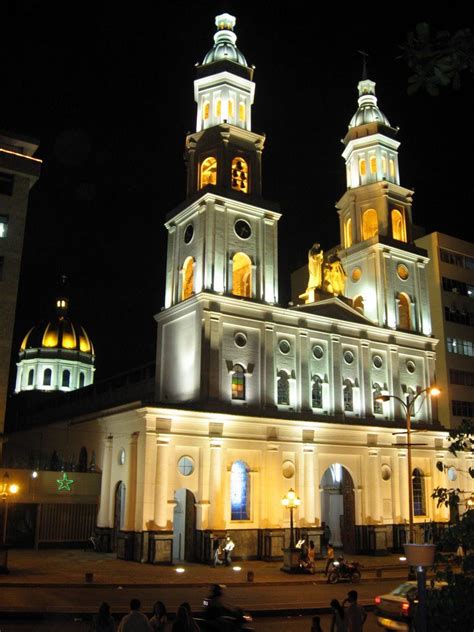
{"x": 56, "y": 355}
{"x": 19, "y": 171}
{"x": 451, "y": 285}
{"x": 252, "y": 398}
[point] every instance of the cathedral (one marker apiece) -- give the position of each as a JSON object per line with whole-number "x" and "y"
{"x": 253, "y": 399}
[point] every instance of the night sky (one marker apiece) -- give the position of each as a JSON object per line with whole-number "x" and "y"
{"x": 108, "y": 92}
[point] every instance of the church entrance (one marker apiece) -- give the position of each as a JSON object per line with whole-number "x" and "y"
{"x": 184, "y": 525}
{"x": 338, "y": 506}
{"x": 119, "y": 512}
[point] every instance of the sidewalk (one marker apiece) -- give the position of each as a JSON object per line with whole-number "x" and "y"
{"x": 56, "y": 568}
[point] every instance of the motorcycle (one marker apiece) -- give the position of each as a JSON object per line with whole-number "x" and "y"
{"x": 219, "y": 616}
{"x": 342, "y": 570}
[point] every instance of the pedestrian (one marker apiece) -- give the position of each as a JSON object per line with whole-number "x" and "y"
{"x": 229, "y": 546}
{"x": 337, "y": 623}
{"x": 354, "y": 615}
{"x": 330, "y": 558}
{"x": 217, "y": 556}
{"x": 184, "y": 621}
{"x": 103, "y": 621}
{"x": 312, "y": 555}
{"x": 135, "y": 621}
{"x": 159, "y": 617}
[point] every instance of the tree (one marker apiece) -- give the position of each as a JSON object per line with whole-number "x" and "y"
{"x": 437, "y": 59}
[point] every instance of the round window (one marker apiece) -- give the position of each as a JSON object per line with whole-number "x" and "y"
{"x": 188, "y": 233}
{"x": 288, "y": 469}
{"x": 452, "y": 473}
{"x": 240, "y": 339}
{"x": 348, "y": 356}
{"x": 402, "y": 272}
{"x": 284, "y": 346}
{"x": 242, "y": 229}
{"x": 386, "y": 472}
{"x": 411, "y": 366}
{"x": 121, "y": 456}
{"x": 377, "y": 361}
{"x": 186, "y": 465}
{"x": 356, "y": 274}
{"x": 318, "y": 352}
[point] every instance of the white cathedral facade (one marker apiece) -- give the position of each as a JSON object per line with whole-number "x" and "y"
{"x": 252, "y": 398}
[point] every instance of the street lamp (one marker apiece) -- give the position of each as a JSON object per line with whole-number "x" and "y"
{"x": 291, "y": 501}
{"x": 7, "y": 489}
{"x": 409, "y": 407}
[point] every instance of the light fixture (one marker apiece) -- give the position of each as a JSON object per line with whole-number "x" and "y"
{"x": 180, "y": 569}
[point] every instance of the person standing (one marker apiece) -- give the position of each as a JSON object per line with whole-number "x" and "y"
{"x": 103, "y": 621}
{"x": 229, "y": 546}
{"x": 337, "y": 623}
{"x": 217, "y": 556}
{"x": 135, "y": 621}
{"x": 330, "y": 558}
{"x": 354, "y": 615}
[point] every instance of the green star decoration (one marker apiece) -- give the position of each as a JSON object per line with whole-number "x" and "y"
{"x": 64, "y": 483}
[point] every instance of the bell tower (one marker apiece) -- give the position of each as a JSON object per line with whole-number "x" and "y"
{"x": 223, "y": 239}
{"x": 386, "y": 272}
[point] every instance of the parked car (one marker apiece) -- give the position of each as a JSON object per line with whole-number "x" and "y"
{"x": 393, "y": 609}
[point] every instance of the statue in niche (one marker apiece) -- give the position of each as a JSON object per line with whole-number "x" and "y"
{"x": 334, "y": 276}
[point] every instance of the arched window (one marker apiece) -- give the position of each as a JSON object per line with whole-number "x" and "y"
{"x": 404, "y": 320}
{"x": 283, "y": 389}
{"x": 392, "y": 168}
{"x": 241, "y": 275}
{"x": 208, "y": 173}
{"x": 348, "y": 233}
{"x": 230, "y": 108}
{"x": 317, "y": 392}
{"x": 373, "y": 164}
{"x": 238, "y": 382}
{"x": 66, "y": 378}
{"x": 47, "y": 377}
{"x": 82, "y": 379}
{"x": 218, "y": 108}
{"x": 384, "y": 164}
{"x": 348, "y": 396}
{"x": 378, "y": 404}
{"x": 362, "y": 167}
{"x": 399, "y": 230}
{"x": 419, "y": 504}
{"x": 31, "y": 377}
{"x": 239, "y": 491}
{"x": 206, "y": 110}
{"x": 370, "y": 224}
{"x": 240, "y": 175}
{"x": 242, "y": 111}
{"x": 188, "y": 278}
{"x": 358, "y": 303}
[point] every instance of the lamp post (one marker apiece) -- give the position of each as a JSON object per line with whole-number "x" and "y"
{"x": 7, "y": 489}
{"x": 409, "y": 407}
{"x": 291, "y": 501}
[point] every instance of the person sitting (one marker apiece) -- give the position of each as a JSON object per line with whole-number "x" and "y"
{"x": 159, "y": 618}
{"x": 135, "y": 621}
{"x": 103, "y": 621}
{"x": 184, "y": 621}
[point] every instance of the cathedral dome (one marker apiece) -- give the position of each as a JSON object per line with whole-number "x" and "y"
{"x": 224, "y": 48}
{"x": 56, "y": 354}
{"x": 368, "y": 110}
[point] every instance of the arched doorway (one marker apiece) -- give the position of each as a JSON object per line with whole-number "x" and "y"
{"x": 184, "y": 525}
{"x": 119, "y": 512}
{"x": 338, "y": 506}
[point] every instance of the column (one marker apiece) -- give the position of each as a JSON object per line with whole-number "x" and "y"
{"x": 131, "y": 488}
{"x": 403, "y": 478}
{"x": 374, "y": 481}
{"x": 317, "y": 488}
{"x": 309, "y": 491}
{"x": 202, "y": 515}
{"x": 365, "y": 395}
{"x": 395, "y": 489}
{"x": 394, "y": 385}
{"x": 147, "y": 481}
{"x": 214, "y": 358}
{"x": 304, "y": 373}
{"x": 272, "y": 493}
{"x": 103, "y": 516}
{"x": 161, "y": 484}
{"x": 270, "y": 375}
{"x": 215, "y": 487}
{"x": 335, "y": 361}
